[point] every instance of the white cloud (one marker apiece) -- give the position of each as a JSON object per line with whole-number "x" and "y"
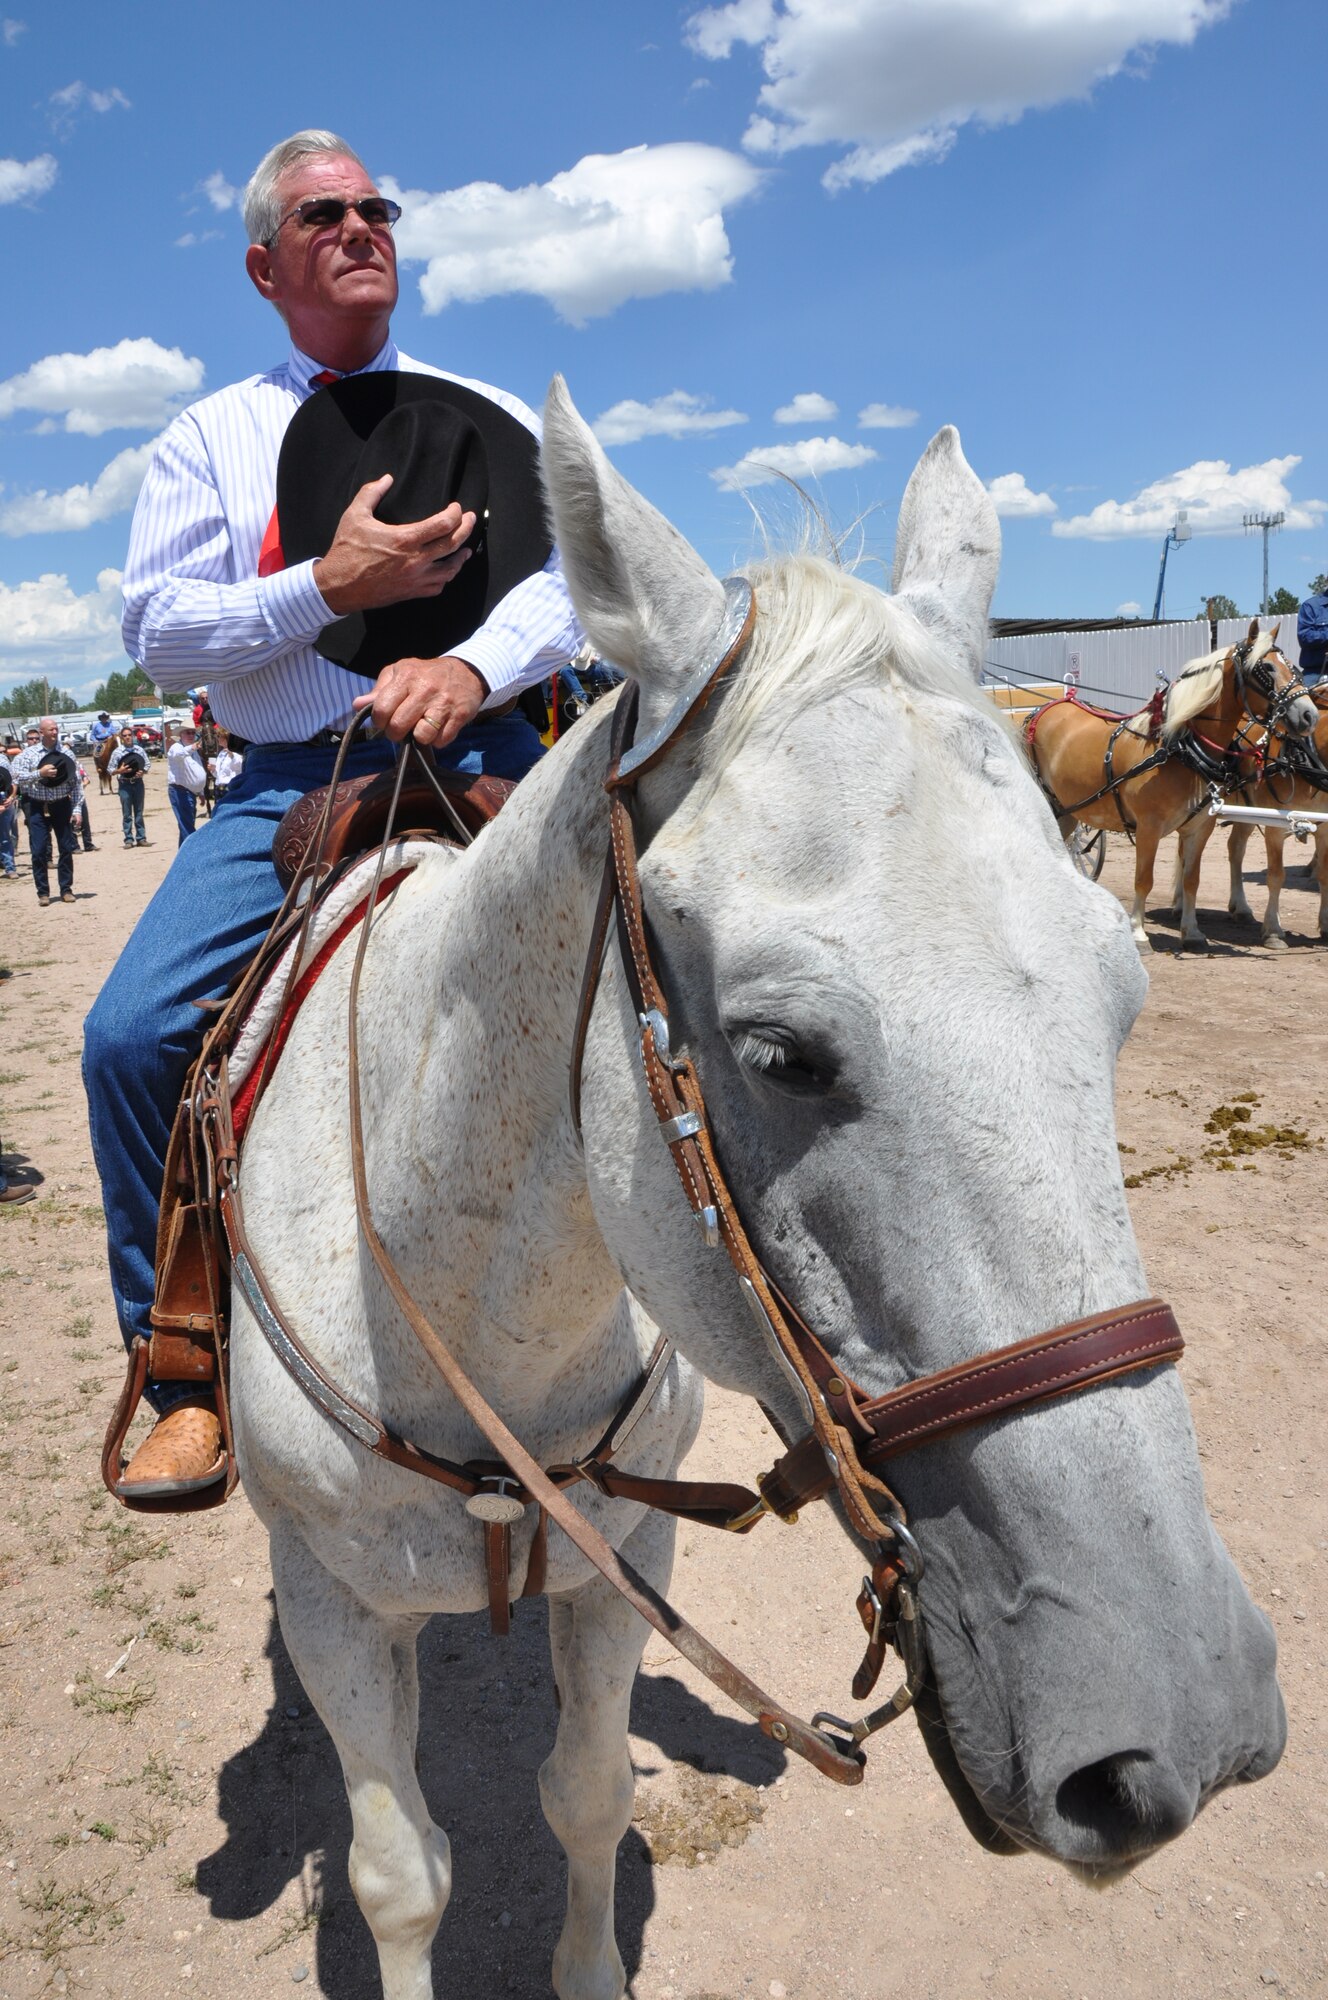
{"x": 10, "y": 31}
{"x": 1129, "y": 609}
{"x": 714, "y": 30}
{"x": 134, "y": 386}
{"x": 21, "y": 180}
{"x": 886, "y": 417}
{"x": 45, "y": 622}
{"x": 810, "y": 407}
{"x": 809, "y": 458}
{"x": 894, "y": 80}
{"x": 66, "y": 104}
{"x": 112, "y": 492}
{"x": 1215, "y": 497}
{"x": 1015, "y": 499}
{"x": 675, "y": 415}
{"x": 219, "y": 192}
{"x": 616, "y": 226}
{"x": 193, "y": 237}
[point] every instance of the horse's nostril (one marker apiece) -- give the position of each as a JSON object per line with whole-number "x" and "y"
{"x": 1130, "y": 1802}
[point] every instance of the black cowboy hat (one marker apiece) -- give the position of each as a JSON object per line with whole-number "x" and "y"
{"x": 441, "y": 442}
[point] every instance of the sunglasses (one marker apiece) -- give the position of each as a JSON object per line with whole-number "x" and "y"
{"x": 328, "y": 211}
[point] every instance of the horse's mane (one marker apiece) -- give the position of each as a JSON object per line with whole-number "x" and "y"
{"x": 1198, "y": 683}
{"x": 821, "y": 629}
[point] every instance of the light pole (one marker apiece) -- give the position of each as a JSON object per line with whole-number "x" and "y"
{"x": 1179, "y": 532}
{"x": 1267, "y": 522}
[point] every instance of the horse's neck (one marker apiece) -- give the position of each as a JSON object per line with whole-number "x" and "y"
{"x": 472, "y": 1019}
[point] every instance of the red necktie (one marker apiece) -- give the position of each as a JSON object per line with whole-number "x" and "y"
{"x": 270, "y": 556}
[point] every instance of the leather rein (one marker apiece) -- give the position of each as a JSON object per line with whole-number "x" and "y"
{"x": 850, "y": 1434}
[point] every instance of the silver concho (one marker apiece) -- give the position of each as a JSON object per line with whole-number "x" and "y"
{"x": 492, "y": 1504}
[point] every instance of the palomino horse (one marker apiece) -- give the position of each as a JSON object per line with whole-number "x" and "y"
{"x": 101, "y": 757}
{"x": 1297, "y": 781}
{"x": 1149, "y": 773}
{"x": 1099, "y": 1666}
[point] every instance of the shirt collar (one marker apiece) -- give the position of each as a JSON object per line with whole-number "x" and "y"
{"x": 303, "y": 367}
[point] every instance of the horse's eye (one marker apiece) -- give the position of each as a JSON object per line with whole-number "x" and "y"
{"x": 777, "y": 1058}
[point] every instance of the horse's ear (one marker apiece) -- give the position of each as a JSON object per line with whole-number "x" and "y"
{"x": 1253, "y": 632}
{"x": 948, "y": 549}
{"x": 1272, "y": 636}
{"x": 646, "y": 599}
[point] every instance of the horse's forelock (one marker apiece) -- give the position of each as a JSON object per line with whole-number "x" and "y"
{"x": 821, "y": 629}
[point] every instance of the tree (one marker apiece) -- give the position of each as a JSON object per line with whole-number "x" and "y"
{"x": 1284, "y": 602}
{"x": 37, "y": 698}
{"x": 117, "y": 691}
{"x": 1319, "y": 585}
{"x": 1222, "y": 607}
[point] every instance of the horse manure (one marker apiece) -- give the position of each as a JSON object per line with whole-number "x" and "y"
{"x": 1165, "y": 1172}
{"x": 703, "y": 1815}
{"x": 1237, "y": 1137}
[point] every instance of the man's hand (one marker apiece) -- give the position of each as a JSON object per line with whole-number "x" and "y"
{"x": 371, "y": 563}
{"x": 433, "y": 698}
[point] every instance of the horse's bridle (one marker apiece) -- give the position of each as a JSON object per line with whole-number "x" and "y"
{"x": 850, "y": 1434}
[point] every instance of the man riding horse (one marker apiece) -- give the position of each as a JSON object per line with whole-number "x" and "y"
{"x": 102, "y": 736}
{"x": 296, "y": 624}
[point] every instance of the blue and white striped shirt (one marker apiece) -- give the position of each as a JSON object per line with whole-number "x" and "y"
{"x": 197, "y": 612}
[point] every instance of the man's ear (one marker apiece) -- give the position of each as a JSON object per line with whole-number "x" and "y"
{"x": 258, "y": 263}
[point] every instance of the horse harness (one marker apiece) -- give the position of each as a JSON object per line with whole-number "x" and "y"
{"x": 1217, "y": 765}
{"x": 850, "y": 1434}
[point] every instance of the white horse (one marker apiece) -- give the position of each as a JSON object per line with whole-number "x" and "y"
{"x": 908, "y": 1040}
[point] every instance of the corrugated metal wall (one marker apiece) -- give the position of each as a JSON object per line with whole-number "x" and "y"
{"x": 1115, "y": 669}
{"x": 1119, "y": 669}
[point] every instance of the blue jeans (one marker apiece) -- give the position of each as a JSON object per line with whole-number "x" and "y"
{"x": 8, "y": 820}
{"x": 191, "y": 943}
{"x": 131, "y": 810}
{"x": 45, "y": 834}
{"x": 184, "y": 804}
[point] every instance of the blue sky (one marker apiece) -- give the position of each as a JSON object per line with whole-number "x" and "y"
{"x": 1086, "y": 241}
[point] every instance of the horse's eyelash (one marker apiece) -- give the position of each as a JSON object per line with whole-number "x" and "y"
{"x": 758, "y": 1053}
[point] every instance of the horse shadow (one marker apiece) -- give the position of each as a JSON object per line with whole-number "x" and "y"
{"x": 487, "y": 1721}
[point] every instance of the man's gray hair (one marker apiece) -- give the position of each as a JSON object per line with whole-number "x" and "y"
{"x": 262, "y": 209}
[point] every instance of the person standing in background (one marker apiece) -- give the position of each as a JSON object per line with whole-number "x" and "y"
{"x": 8, "y": 817}
{"x": 1312, "y": 637}
{"x": 226, "y": 766}
{"x": 47, "y": 777}
{"x": 128, "y": 763}
{"x": 82, "y": 817}
{"x": 187, "y": 781}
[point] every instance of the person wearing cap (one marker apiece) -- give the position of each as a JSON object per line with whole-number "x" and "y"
{"x": 235, "y": 578}
{"x": 102, "y": 737}
{"x": 186, "y": 780}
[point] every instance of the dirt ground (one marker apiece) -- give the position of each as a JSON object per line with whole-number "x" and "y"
{"x": 171, "y": 1813}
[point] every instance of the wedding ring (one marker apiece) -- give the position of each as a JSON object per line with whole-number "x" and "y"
{"x": 434, "y": 721}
